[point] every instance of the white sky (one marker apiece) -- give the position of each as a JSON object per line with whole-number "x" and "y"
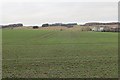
{"x": 44, "y": 11}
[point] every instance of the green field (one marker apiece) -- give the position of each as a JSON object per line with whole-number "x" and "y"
{"x": 56, "y": 54}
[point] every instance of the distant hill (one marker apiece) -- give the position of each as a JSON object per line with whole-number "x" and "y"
{"x": 101, "y": 24}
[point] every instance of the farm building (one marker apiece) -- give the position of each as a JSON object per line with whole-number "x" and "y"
{"x": 106, "y": 29}
{"x": 115, "y": 29}
{"x": 101, "y": 29}
{"x": 95, "y": 29}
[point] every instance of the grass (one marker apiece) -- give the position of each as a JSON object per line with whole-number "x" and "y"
{"x": 56, "y": 54}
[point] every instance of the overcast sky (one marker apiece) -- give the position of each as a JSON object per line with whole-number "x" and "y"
{"x": 37, "y": 13}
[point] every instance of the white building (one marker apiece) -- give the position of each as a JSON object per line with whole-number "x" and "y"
{"x": 98, "y": 29}
{"x": 95, "y": 29}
